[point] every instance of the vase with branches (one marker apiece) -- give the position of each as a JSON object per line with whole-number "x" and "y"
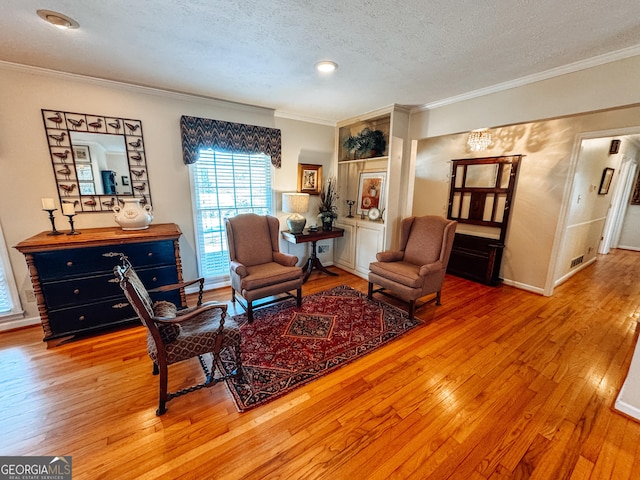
{"x": 328, "y": 208}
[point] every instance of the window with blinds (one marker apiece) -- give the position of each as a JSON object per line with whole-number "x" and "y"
{"x": 225, "y": 184}
{"x": 9, "y": 301}
{"x": 6, "y": 305}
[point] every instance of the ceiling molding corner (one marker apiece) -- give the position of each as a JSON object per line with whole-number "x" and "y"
{"x": 143, "y": 89}
{"x": 537, "y": 77}
{"x": 303, "y": 118}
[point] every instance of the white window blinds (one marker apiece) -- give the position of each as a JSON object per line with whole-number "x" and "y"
{"x": 9, "y": 301}
{"x": 225, "y": 184}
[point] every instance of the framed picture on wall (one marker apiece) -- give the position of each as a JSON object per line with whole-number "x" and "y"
{"x": 309, "y": 178}
{"x": 605, "y": 182}
{"x": 370, "y": 191}
{"x": 635, "y": 198}
{"x": 81, "y": 153}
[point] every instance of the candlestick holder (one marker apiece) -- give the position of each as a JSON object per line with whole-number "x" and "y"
{"x": 53, "y": 222}
{"x": 351, "y": 203}
{"x": 73, "y": 230}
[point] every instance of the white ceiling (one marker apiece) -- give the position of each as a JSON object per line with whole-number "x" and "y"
{"x": 262, "y": 52}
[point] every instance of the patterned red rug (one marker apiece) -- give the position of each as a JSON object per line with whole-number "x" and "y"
{"x": 286, "y": 347}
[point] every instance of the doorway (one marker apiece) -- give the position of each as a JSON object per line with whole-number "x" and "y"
{"x": 604, "y": 170}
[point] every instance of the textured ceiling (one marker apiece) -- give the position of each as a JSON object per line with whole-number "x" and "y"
{"x": 262, "y": 52}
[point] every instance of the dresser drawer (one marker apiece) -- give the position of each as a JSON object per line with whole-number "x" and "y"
{"x": 71, "y": 320}
{"x": 74, "y": 283}
{"x": 79, "y": 262}
{"x": 78, "y": 291}
{"x": 116, "y": 310}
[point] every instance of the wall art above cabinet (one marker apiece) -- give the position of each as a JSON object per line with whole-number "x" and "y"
{"x": 98, "y": 161}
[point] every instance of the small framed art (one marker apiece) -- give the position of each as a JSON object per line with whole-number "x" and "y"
{"x": 309, "y": 178}
{"x": 370, "y": 191}
{"x": 82, "y": 154}
{"x": 605, "y": 182}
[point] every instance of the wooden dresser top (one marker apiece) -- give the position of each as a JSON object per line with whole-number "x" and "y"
{"x": 90, "y": 237}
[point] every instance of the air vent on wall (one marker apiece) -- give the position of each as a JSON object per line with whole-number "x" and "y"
{"x": 577, "y": 261}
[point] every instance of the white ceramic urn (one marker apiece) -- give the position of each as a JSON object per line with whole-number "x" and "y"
{"x": 133, "y": 216}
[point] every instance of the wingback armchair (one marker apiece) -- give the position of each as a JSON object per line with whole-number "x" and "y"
{"x": 257, "y": 267}
{"x": 419, "y": 267}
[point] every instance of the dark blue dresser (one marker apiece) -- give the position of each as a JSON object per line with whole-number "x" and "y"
{"x": 73, "y": 279}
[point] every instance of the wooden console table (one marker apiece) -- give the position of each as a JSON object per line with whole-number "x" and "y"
{"x": 313, "y": 261}
{"x": 73, "y": 280}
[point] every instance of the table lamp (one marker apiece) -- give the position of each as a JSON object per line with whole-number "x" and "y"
{"x": 295, "y": 203}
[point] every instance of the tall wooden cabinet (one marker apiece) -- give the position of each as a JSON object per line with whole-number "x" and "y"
{"x": 369, "y": 231}
{"x": 73, "y": 279}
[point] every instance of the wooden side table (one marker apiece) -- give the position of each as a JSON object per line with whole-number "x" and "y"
{"x": 313, "y": 262}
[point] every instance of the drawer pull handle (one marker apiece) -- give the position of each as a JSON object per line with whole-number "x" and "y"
{"x": 76, "y": 291}
{"x": 120, "y": 305}
{"x": 150, "y": 254}
{"x": 81, "y": 318}
{"x": 154, "y": 279}
{"x": 69, "y": 263}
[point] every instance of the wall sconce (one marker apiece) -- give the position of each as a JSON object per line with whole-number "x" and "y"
{"x": 479, "y": 140}
{"x": 295, "y": 203}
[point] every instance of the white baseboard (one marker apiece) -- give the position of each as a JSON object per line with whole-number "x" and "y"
{"x": 628, "y": 401}
{"x": 523, "y": 286}
{"x": 19, "y": 323}
{"x": 627, "y": 247}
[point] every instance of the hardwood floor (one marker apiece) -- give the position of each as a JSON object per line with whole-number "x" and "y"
{"x": 499, "y": 383}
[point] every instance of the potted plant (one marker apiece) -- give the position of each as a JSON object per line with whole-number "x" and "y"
{"x": 351, "y": 145}
{"x": 373, "y": 142}
{"x": 368, "y": 143}
{"x": 328, "y": 208}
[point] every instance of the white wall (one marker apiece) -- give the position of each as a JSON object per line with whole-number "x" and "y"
{"x": 26, "y": 166}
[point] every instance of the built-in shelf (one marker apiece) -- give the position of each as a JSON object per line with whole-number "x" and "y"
{"x": 361, "y": 160}
{"x": 390, "y": 175}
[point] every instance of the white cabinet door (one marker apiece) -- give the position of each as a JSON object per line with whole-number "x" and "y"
{"x": 344, "y": 253}
{"x": 369, "y": 241}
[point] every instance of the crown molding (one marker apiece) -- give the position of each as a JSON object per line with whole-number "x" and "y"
{"x": 537, "y": 77}
{"x": 302, "y": 118}
{"x": 142, "y": 89}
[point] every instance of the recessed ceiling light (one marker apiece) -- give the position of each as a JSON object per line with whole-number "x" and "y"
{"x": 57, "y": 19}
{"x": 326, "y": 66}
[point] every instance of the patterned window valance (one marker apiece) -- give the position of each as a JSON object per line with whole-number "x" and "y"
{"x": 200, "y": 133}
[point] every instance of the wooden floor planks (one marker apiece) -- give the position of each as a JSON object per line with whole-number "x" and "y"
{"x": 499, "y": 383}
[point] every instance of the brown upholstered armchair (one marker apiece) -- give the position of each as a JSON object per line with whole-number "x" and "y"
{"x": 258, "y": 269}
{"x": 418, "y": 268}
{"x": 176, "y": 335}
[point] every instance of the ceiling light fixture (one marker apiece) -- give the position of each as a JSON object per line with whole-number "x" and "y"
{"x": 57, "y": 19}
{"x": 326, "y": 66}
{"x": 479, "y": 140}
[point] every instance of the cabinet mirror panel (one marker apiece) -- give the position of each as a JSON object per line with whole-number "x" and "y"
{"x": 483, "y": 175}
{"x": 481, "y": 190}
{"x": 97, "y": 160}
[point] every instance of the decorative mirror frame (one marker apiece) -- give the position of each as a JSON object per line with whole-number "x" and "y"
{"x": 488, "y": 205}
{"x": 58, "y": 127}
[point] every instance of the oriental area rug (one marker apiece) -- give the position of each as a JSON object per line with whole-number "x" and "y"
{"x": 286, "y": 347}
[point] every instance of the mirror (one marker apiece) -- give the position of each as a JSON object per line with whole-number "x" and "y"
{"x": 96, "y": 160}
{"x": 483, "y": 175}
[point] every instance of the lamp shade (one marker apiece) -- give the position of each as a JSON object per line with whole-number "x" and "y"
{"x": 295, "y": 203}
